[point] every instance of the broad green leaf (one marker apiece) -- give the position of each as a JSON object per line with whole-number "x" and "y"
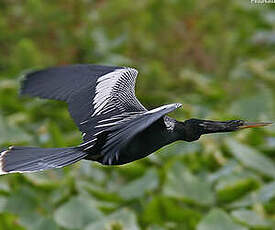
{"x": 76, "y": 213}
{"x": 22, "y": 202}
{"x": 180, "y": 183}
{"x": 29, "y": 220}
{"x": 250, "y": 218}
{"x": 229, "y": 168}
{"x": 137, "y": 188}
{"x": 235, "y": 185}
{"x": 101, "y": 199}
{"x": 120, "y": 220}
{"x": 251, "y": 158}
{"x": 162, "y": 209}
{"x": 44, "y": 224}
{"x": 262, "y": 195}
{"x": 267, "y": 192}
{"x": 217, "y": 219}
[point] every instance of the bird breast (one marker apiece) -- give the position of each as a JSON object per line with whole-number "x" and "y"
{"x": 157, "y": 135}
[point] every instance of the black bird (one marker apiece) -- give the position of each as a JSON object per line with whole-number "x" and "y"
{"x": 116, "y": 127}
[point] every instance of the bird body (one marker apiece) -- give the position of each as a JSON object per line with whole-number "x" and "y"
{"x": 154, "y": 137}
{"x": 115, "y": 126}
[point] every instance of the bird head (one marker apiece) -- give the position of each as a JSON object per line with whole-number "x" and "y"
{"x": 192, "y": 129}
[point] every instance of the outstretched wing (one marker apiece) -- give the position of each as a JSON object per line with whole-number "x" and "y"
{"x": 93, "y": 92}
{"x": 60, "y": 83}
{"x": 113, "y": 95}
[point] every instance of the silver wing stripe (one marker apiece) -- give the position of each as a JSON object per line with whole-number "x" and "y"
{"x": 109, "y": 119}
{"x": 163, "y": 107}
{"x": 108, "y": 124}
{"x": 114, "y": 93}
{"x": 104, "y": 87}
{"x": 115, "y": 90}
{"x": 87, "y": 142}
{"x": 83, "y": 122}
{"x": 117, "y": 122}
{"x": 120, "y": 116}
{"x": 108, "y": 110}
{"x": 89, "y": 147}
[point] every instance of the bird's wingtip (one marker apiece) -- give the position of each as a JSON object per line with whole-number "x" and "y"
{"x": 24, "y": 78}
{"x": 2, "y": 154}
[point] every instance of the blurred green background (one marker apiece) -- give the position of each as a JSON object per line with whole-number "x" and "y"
{"x": 215, "y": 57}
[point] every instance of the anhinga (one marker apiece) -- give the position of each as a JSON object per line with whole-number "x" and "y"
{"x": 116, "y": 127}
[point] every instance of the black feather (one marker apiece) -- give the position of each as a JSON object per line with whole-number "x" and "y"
{"x": 29, "y": 159}
{"x": 60, "y": 83}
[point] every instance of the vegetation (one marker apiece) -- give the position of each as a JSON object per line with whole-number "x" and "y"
{"x": 215, "y": 57}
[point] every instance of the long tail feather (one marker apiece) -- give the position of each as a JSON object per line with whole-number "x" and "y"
{"x": 32, "y": 159}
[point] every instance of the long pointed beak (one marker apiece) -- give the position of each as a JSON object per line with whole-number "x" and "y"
{"x": 246, "y": 125}
{"x": 228, "y": 126}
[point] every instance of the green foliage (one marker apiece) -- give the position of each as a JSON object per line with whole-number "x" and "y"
{"x": 183, "y": 185}
{"x": 218, "y": 219}
{"x": 251, "y": 218}
{"x": 215, "y": 57}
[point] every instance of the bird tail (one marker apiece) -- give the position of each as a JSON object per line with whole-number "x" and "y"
{"x": 32, "y": 159}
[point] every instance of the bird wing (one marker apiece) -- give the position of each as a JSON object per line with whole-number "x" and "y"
{"x": 60, "y": 83}
{"x": 93, "y": 92}
{"x": 112, "y": 94}
{"x": 90, "y": 90}
{"x": 120, "y": 129}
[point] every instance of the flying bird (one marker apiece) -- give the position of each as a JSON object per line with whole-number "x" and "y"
{"x": 116, "y": 128}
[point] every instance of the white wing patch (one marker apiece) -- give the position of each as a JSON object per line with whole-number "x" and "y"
{"x": 118, "y": 119}
{"x": 177, "y": 105}
{"x": 114, "y": 91}
{"x": 111, "y": 85}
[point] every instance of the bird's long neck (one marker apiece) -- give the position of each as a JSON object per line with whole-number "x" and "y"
{"x": 183, "y": 131}
{"x": 192, "y": 129}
